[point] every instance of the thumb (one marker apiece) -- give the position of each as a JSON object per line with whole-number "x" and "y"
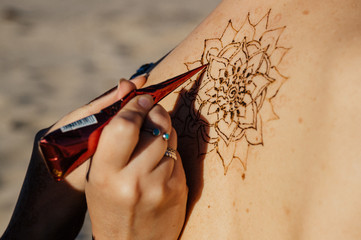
{"x": 120, "y": 137}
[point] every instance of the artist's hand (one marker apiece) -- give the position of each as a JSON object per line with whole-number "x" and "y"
{"x": 47, "y": 209}
{"x": 76, "y": 178}
{"x": 134, "y": 191}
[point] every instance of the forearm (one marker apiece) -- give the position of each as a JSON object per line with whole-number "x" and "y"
{"x": 45, "y": 209}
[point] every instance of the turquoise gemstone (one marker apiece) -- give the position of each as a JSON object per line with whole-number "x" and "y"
{"x": 156, "y": 132}
{"x": 165, "y": 136}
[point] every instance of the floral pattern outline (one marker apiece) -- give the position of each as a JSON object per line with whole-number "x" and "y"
{"x": 235, "y": 92}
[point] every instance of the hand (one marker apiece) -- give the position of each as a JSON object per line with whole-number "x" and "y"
{"x": 47, "y": 209}
{"x": 76, "y": 179}
{"x": 134, "y": 191}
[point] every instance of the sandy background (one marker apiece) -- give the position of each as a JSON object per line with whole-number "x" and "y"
{"x": 57, "y": 55}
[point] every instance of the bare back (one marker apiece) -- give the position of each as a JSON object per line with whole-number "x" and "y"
{"x": 269, "y": 134}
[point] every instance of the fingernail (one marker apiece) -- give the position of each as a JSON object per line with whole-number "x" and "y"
{"x": 145, "y": 101}
{"x": 145, "y": 75}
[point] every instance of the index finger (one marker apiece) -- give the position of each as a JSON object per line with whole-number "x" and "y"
{"x": 106, "y": 99}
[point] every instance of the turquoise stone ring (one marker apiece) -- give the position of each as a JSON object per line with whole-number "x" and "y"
{"x": 165, "y": 136}
{"x": 156, "y": 132}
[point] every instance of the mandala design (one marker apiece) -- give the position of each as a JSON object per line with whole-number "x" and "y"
{"x": 235, "y": 92}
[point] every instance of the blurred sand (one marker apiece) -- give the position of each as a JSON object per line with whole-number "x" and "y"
{"x": 57, "y": 55}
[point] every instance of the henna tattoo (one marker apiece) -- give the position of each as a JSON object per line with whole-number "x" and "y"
{"x": 226, "y": 108}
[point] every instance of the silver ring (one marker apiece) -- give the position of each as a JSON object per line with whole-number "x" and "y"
{"x": 171, "y": 153}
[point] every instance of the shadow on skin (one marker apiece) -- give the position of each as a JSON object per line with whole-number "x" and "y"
{"x": 188, "y": 123}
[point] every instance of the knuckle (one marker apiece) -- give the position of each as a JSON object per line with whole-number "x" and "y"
{"x": 127, "y": 126}
{"x": 125, "y": 85}
{"x": 157, "y": 195}
{"x": 123, "y": 126}
{"x": 129, "y": 193}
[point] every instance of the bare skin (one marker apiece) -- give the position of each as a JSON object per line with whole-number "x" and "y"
{"x": 143, "y": 197}
{"x": 134, "y": 191}
{"x": 302, "y": 180}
